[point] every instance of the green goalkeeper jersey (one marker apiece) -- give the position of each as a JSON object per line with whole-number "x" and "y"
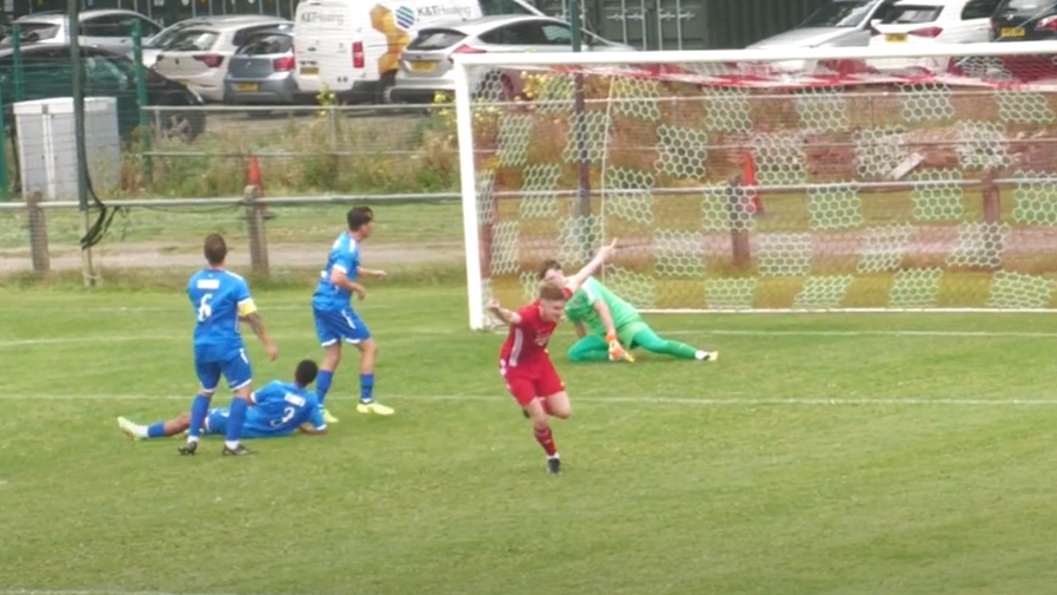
{"x": 580, "y": 308}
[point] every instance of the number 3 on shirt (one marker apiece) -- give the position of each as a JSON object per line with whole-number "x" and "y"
{"x": 204, "y": 309}
{"x": 288, "y": 414}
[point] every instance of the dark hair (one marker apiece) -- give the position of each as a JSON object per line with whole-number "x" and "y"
{"x": 551, "y": 292}
{"x": 358, "y": 217}
{"x": 215, "y": 249}
{"x": 306, "y": 372}
{"x": 548, "y": 266}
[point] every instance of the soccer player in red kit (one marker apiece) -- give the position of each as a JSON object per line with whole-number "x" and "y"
{"x": 525, "y": 364}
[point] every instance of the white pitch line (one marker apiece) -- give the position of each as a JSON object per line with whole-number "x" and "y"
{"x": 702, "y": 402}
{"x": 11, "y": 343}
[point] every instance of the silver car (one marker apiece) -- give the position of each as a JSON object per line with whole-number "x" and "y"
{"x": 152, "y": 46}
{"x": 109, "y": 29}
{"x": 262, "y": 71}
{"x": 839, "y": 23}
{"x": 426, "y": 65}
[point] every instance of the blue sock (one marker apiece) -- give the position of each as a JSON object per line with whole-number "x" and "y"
{"x": 236, "y": 419}
{"x": 323, "y": 384}
{"x": 199, "y": 411}
{"x": 366, "y": 388}
{"x": 156, "y": 430}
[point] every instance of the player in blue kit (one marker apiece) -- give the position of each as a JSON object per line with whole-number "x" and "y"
{"x": 336, "y": 321}
{"x": 221, "y": 300}
{"x": 278, "y": 409}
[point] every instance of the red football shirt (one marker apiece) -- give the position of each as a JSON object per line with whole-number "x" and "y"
{"x": 526, "y": 345}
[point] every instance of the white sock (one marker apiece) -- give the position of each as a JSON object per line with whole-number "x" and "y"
{"x": 232, "y": 444}
{"x": 140, "y": 431}
{"x": 556, "y": 456}
{"x": 700, "y": 355}
{"x": 191, "y": 439}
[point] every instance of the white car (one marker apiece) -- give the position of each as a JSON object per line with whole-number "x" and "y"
{"x": 198, "y": 56}
{"x": 931, "y": 22}
{"x": 109, "y": 29}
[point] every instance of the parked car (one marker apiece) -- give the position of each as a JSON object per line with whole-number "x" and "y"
{"x": 917, "y": 23}
{"x": 110, "y": 29}
{"x": 47, "y": 74}
{"x": 1025, "y": 20}
{"x": 839, "y": 23}
{"x": 153, "y": 46}
{"x": 262, "y": 70}
{"x": 352, "y": 48}
{"x": 199, "y": 56}
{"x": 426, "y": 64}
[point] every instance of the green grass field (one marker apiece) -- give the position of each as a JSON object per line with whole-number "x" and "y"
{"x": 842, "y": 454}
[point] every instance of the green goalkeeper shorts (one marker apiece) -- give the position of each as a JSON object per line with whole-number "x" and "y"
{"x": 627, "y": 332}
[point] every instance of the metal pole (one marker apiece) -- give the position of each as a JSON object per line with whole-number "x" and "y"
{"x": 141, "y": 100}
{"x": 583, "y": 199}
{"x": 77, "y": 65}
{"x": 16, "y": 60}
{"x": 5, "y": 188}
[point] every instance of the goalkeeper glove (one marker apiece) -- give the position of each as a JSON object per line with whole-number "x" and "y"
{"x": 616, "y": 350}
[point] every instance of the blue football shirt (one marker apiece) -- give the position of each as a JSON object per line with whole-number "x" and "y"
{"x": 217, "y": 298}
{"x": 344, "y": 256}
{"x": 279, "y": 409}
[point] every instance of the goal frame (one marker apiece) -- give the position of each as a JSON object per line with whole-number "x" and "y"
{"x": 463, "y": 62}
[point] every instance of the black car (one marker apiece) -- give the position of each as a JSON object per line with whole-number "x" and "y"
{"x": 1025, "y": 20}
{"x": 47, "y": 73}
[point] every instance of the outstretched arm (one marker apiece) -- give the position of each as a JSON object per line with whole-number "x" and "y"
{"x": 581, "y": 276}
{"x": 502, "y": 313}
{"x": 377, "y": 274}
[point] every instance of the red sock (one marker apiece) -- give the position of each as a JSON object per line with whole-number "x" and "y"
{"x": 546, "y": 440}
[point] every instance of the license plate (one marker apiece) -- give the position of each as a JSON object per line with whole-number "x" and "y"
{"x": 895, "y": 37}
{"x": 1012, "y": 32}
{"x": 247, "y": 87}
{"x": 423, "y": 66}
{"x": 310, "y": 70}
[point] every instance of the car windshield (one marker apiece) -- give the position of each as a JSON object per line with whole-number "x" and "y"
{"x": 33, "y": 32}
{"x": 264, "y": 44}
{"x": 909, "y": 15}
{"x": 436, "y": 39}
{"x": 159, "y": 41}
{"x": 842, "y": 13}
{"x": 1028, "y": 5}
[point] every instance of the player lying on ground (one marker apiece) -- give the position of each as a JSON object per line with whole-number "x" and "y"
{"x": 336, "y": 321}
{"x": 278, "y": 409}
{"x": 221, "y": 300}
{"x": 606, "y": 324}
{"x": 524, "y": 363}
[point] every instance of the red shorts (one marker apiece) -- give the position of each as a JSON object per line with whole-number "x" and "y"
{"x": 527, "y": 383}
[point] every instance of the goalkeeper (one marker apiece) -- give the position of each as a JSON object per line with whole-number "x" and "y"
{"x": 606, "y": 324}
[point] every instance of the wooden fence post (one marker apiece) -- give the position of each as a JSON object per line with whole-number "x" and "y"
{"x": 257, "y": 232}
{"x": 739, "y": 212}
{"x": 38, "y": 234}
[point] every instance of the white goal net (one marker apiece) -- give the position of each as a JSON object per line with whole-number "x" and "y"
{"x": 819, "y": 180}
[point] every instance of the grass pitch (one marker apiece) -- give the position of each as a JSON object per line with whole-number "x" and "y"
{"x": 822, "y": 454}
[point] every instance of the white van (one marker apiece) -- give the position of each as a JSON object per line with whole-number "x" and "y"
{"x": 352, "y": 47}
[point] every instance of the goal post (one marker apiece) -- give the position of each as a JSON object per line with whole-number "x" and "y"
{"x": 906, "y": 178}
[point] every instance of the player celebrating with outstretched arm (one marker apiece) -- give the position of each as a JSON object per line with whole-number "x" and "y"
{"x": 336, "y": 321}
{"x": 606, "y": 324}
{"x": 525, "y": 364}
{"x": 277, "y": 409}
{"x": 221, "y": 299}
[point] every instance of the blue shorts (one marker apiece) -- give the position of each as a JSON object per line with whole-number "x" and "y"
{"x": 339, "y": 325}
{"x": 217, "y": 422}
{"x": 236, "y": 370}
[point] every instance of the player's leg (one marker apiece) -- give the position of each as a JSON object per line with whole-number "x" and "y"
{"x": 639, "y": 334}
{"x": 590, "y": 348}
{"x": 359, "y": 335}
{"x": 555, "y": 403}
{"x": 161, "y": 429}
{"x": 209, "y": 376}
{"x": 331, "y": 342}
{"x": 239, "y": 375}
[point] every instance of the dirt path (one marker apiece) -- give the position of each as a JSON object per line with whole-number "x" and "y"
{"x": 166, "y": 254}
